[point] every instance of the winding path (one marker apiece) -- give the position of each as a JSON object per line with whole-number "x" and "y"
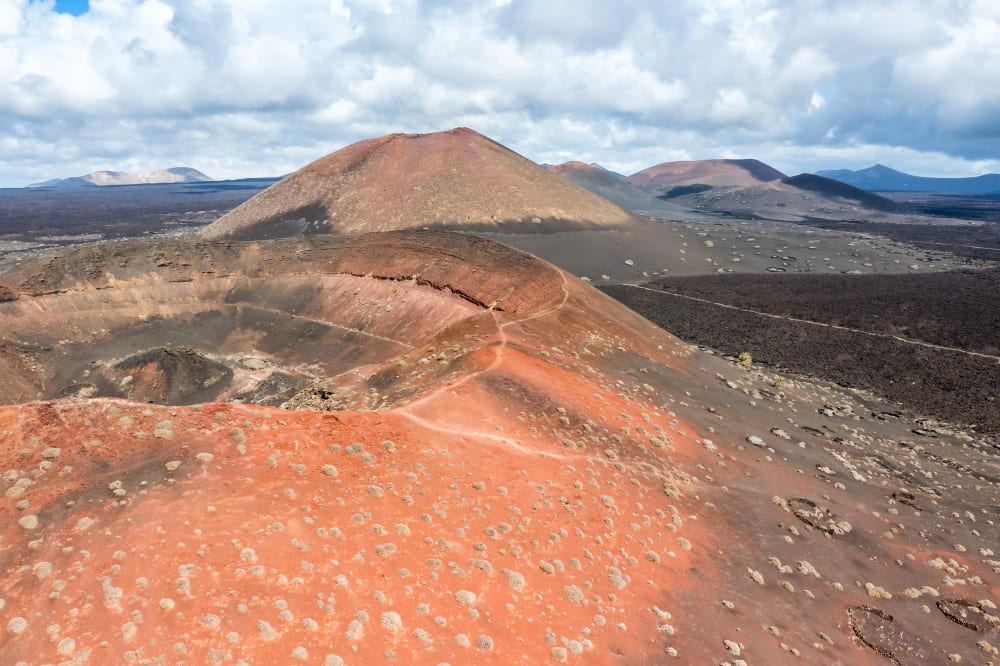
{"x": 407, "y": 411}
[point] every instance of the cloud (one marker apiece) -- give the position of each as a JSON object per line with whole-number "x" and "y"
{"x": 252, "y": 87}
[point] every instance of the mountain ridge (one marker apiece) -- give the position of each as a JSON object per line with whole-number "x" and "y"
{"x": 179, "y": 174}
{"x": 882, "y": 178}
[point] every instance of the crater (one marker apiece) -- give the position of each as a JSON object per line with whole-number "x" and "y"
{"x": 249, "y": 321}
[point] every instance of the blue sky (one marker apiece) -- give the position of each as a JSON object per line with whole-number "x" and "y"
{"x": 74, "y": 7}
{"x": 238, "y": 88}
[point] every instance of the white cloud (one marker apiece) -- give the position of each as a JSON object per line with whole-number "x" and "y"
{"x": 731, "y": 106}
{"x": 257, "y": 87}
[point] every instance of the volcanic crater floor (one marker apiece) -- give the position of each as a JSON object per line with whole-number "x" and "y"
{"x": 480, "y": 458}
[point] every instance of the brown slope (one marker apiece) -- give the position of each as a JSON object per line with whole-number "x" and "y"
{"x": 457, "y": 178}
{"x": 715, "y": 173}
{"x": 535, "y": 475}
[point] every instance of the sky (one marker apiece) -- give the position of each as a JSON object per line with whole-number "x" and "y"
{"x": 240, "y": 88}
{"x": 74, "y": 7}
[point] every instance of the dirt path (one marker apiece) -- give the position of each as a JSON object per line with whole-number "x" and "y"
{"x": 816, "y": 323}
{"x": 407, "y": 410}
{"x": 974, "y": 247}
{"x": 314, "y": 320}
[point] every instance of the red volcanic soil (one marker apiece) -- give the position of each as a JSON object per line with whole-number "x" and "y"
{"x": 457, "y": 178}
{"x": 535, "y": 475}
{"x": 575, "y": 165}
{"x": 716, "y": 173}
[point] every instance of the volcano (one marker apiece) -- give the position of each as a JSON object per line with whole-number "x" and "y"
{"x": 663, "y": 178}
{"x": 457, "y": 179}
{"x": 476, "y": 457}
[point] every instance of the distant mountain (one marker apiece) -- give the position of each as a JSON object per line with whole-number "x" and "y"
{"x": 103, "y": 178}
{"x": 78, "y": 181}
{"x": 662, "y": 178}
{"x": 880, "y": 177}
{"x": 577, "y": 166}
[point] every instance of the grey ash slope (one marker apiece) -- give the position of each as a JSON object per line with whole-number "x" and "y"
{"x": 794, "y": 199}
{"x": 835, "y": 189}
{"x": 751, "y": 188}
{"x": 617, "y": 190}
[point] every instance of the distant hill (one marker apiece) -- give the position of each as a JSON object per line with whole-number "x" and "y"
{"x": 613, "y": 173}
{"x": 795, "y": 198}
{"x": 880, "y": 177}
{"x": 453, "y": 179}
{"x": 103, "y": 178}
{"x": 832, "y": 188}
{"x": 616, "y": 189}
{"x": 662, "y": 178}
{"x": 557, "y": 167}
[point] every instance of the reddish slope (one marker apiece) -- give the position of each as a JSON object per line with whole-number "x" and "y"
{"x": 547, "y": 479}
{"x": 576, "y": 166}
{"x": 457, "y": 178}
{"x": 716, "y": 173}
